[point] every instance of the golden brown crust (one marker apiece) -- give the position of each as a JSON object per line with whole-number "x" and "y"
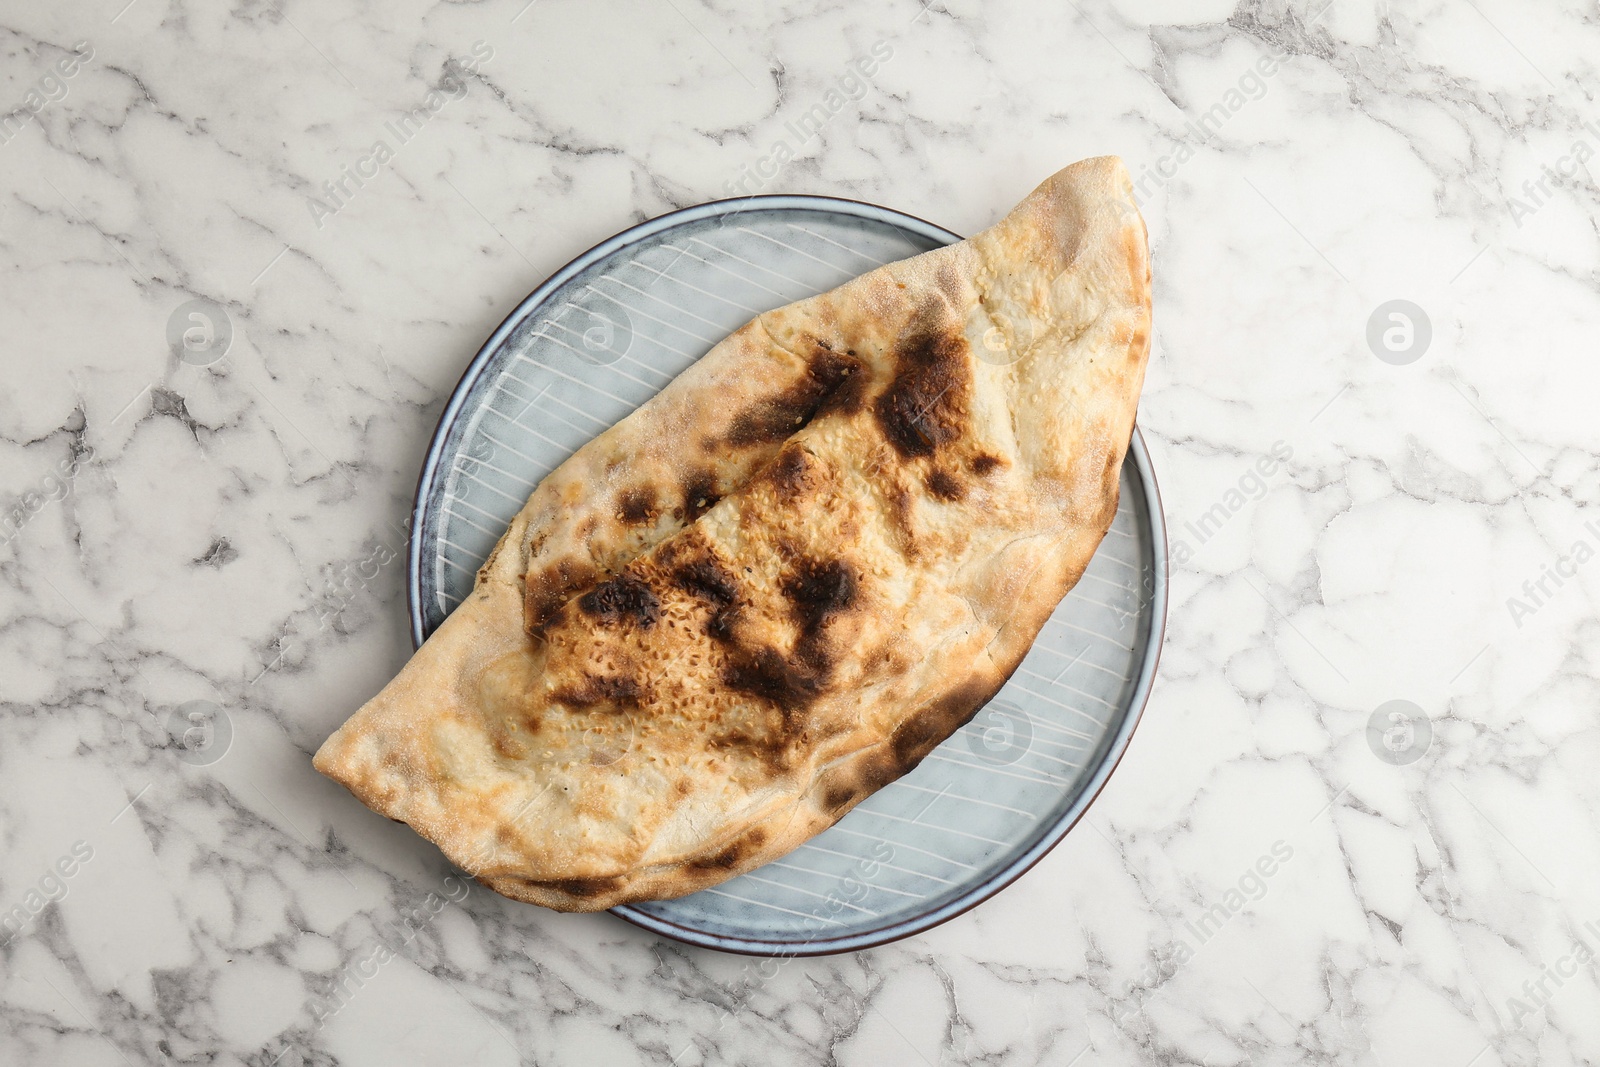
{"x": 711, "y": 429}
{"x": 901, "y": 478}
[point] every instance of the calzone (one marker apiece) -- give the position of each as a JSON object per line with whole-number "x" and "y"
{"x": 777, "y": 585}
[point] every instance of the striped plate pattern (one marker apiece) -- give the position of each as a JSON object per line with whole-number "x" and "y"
{"x": 609, "y": 331}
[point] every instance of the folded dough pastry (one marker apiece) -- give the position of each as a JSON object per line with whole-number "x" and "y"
{"x": 781, "y": 582}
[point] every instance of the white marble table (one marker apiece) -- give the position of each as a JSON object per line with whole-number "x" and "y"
{"x": 1262, "y": 882}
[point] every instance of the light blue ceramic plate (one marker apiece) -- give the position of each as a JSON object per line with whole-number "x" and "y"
{"x": 602, "y": 336}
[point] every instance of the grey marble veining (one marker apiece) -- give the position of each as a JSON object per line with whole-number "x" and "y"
{"x": 1287, "y": 867}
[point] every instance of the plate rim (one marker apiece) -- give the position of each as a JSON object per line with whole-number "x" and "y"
{"x": 1138, "y": 453}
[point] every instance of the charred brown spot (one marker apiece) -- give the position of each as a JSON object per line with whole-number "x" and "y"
{"x": 707, "y": 580}
{"x": 839, "y": 796}
{"x": 787, "y": 473}
{"x": 818, "y": 589}
{"x": 769, "y": 675}
{"x": 945, "y": 486}
{"x": 546, "y": 591}
{"x": 984, "y": 465}
{"x": 637, "y": 505}
{"x": 720, "y": 626}
{"x": 725, "y": 860}
{"x": 921, "y": 733}
{"x": 622, "y": 598}
{"x": 859, "y": 778}
{"x": 592, "y": 690}
{"x": 922, "y": 408}
{"x": 780, "y": 416}
{"x": 582, "y": 887}
{"x": 699, "y": 494}
{"x": 734, "y": 854}
{"x": 848, "y": 397}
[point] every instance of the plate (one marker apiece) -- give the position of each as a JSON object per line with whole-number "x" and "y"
{"x": 605, "y": 334}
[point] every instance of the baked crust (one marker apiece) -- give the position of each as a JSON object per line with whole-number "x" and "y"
{"x": 780, "y": 583}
